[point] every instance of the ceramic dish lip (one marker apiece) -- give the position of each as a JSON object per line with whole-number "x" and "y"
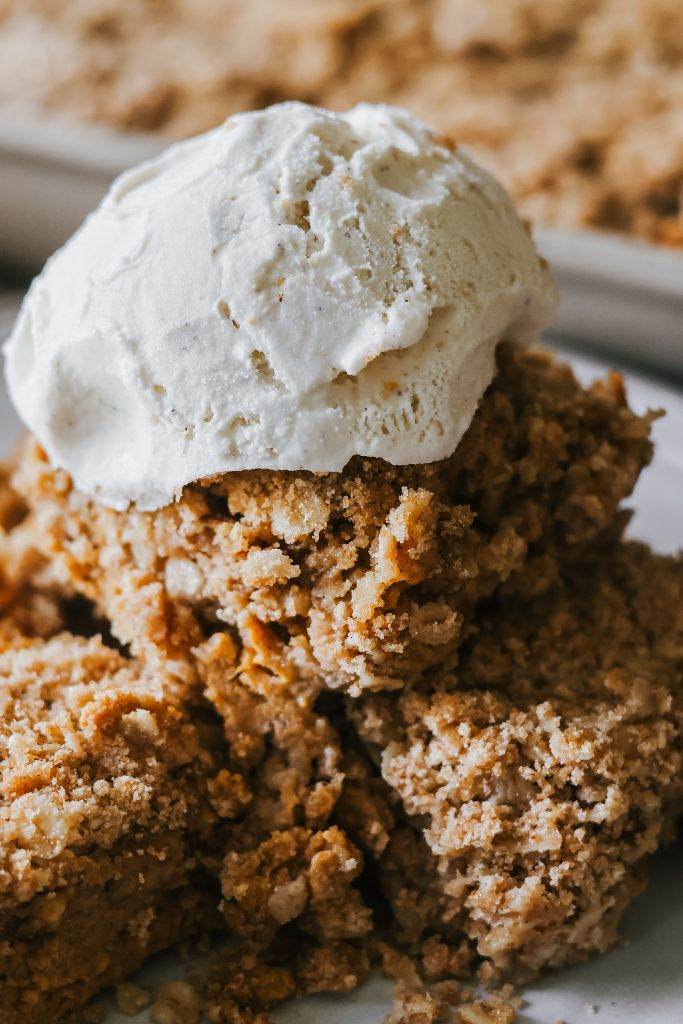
{"x": 67, "y": 144}
{"x": 613, "y": 259}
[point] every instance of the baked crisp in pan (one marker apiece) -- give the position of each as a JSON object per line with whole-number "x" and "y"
{"x": 575, "y": 104}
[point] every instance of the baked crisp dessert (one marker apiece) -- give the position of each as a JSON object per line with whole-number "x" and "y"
{"x": 33, "y": 603}
{"x": 102, "y": 812}
{"x": 128, "y": 824}
{"x": 288, "y": 863}
{"x": 380, "y": 670}
{"x": 575, "y": 105}
{"x": 535, "y": 779}
{"x": 364, "y": 579}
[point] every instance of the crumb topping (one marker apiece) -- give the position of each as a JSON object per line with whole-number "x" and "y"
{"x": 364, "y": 579}
{"x": 427, "y": 719}
{"x": 544, "y": 770}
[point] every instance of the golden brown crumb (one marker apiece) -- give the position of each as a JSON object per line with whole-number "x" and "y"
{"x": 240, "y": 986}
{"x": 368, "y": 578}
{"x": 486, "y": 1011}
{"x": 414, "y": 1007}
{"x": 332, "y": 967}
{"x": 545, "y": 769}
{"x": 32, "y": 598}
{"x": 177, "y": 1003}
{"x": 295, "y": 876}
{"x": 131, "y": 999}
{"x": 101, "y": 812}
{"x": 418, "y": 1002}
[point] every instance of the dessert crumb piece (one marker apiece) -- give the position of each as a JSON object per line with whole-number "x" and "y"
{"x": 491, "y": 1010}
{"x": 414, "y": 1007}
{"x": 398, "y": 966}
{"x": 444, "y": 1003}
{"x": 176, "y": 1003}
{"x": 131, "y": 999}
{"x": 417, "y": 1002}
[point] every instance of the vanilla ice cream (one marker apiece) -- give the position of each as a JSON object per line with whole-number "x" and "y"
{"x": 287, "y": 291}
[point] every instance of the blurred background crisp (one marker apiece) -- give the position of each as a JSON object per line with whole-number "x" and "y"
{"x": 577, "y": 105}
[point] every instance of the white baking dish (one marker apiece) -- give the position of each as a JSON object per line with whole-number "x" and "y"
{"x": 52, "y": 173}
{"x": 619, "y": 294}
{"x": 615, "y": 293}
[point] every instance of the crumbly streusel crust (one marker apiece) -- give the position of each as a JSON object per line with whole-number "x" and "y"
{"x": 540, "y": 775}
{"x": 493, "y": 815}
{"x": 577, "y": 105}
{"x": 103, "y": 803}
{"x": 288, "y": 864}
{"x": 368, "y": 578}
{"x": 518, "y": 799}
{"x": 126, "y": 805}
{"x": 123, "y": 815}
{"x": 562, "y": 724}
{"x": 33, "y": 602}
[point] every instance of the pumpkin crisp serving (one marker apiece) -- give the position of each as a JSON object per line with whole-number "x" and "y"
{"x": 321, "y": 646}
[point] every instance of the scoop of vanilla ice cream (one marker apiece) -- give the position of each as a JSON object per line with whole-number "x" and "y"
{"x": 287, "y": 291}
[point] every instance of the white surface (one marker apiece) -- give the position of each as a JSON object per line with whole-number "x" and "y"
{"x": 289, "y": 290}
{"x": 625, "y": 295}
{"x": 642, "y": 981}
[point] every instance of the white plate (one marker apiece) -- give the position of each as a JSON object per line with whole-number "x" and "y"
{"x": 642, "y": 981}
{"x": 623, "y": 295}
